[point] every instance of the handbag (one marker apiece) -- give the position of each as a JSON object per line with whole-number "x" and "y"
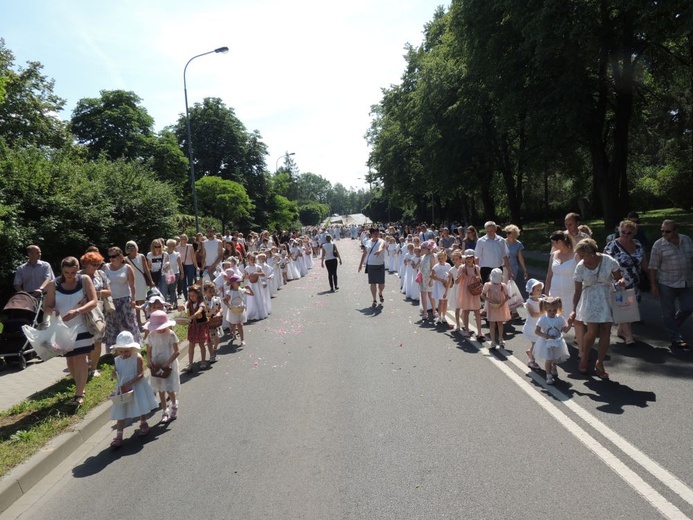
{"x": 476, "y": 286}
{"x": 215, "y": 321}
{"x": 419, "y": 277}
{"x": 108, "y": 304}
{"x": 161, "y": 371}
{"x": 624, "y": 306}
{"x": 95, "y": 322}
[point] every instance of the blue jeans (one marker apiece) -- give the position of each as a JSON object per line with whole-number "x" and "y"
{"x": 188, "y": 278}
{"x": 671, "y": 317}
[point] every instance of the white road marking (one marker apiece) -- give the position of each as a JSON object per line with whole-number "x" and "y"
{"x": 659, "y": 502}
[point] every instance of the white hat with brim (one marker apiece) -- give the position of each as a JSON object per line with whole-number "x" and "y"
{"x": 156, "y": 298}
{"x": 496, "y": 276}
{"x": 469, "y": 253}
{"x": 158, "y": 320}
{"x": 531, "y": 284}
{"x": 125, "y": 340}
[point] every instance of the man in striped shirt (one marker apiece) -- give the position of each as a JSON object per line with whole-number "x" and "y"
{"x": 671, "y": 279}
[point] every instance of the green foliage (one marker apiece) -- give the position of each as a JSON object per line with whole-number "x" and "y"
{"x": 114, "y": 124}
{"x": 28, "y": 106}
{"x": 313, "y": 213}
{"x": 285, "y": 215}
{"x": 224, "y": 200}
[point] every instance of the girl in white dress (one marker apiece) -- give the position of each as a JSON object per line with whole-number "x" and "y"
{"x": 441, "y": 283}
{"x": 413, "y": 290}
{"x": 404, "y": 270}
{"x": 292, "y": 272}
{"x": 454, "y": 285}
{"x": 391, "y": 254}
{"x": 129, "y": 371}
{"x": 550, "y": 346}
{"x": 162, "y": 351}
{"x": 235, "y": 299}
{"x": 307, "y": 253}
{"x": 252, "y": 277}
{"x": 532, "y": 305}
{"x": 265, "y": 281}
{"x": 213, "y": 306}
{"x": 297, "y": 257}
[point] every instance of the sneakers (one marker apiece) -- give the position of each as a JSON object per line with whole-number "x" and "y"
{"x": 549, "y": 379}
{"x": 165, "y": 417}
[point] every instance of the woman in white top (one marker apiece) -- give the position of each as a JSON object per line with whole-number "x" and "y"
{"x": 175, "y": 268}
{"x": 71, "y": 296}
{"x": 143, "y": 278}
{"x": 328, "y": 259}
{"x": 121, "y": 279}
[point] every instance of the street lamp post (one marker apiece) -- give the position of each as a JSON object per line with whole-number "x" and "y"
{"x": 187, "y": 123}
{"x": 276, "y": 163}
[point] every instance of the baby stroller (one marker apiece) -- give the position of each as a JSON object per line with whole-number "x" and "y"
{"x": 21, "y": 309}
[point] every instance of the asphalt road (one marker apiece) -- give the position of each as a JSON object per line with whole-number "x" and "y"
{"x": 335, "y": 410}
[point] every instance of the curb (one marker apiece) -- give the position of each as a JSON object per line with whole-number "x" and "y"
{"x": 21, "y": 479}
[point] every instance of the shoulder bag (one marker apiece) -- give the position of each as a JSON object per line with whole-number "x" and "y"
{"x": 94, "y": 321}
{"x": 476, "y": 286}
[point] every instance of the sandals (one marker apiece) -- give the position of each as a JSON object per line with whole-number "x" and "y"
{"x": 382, "y": 299}
{"x": 374, "y": 304}
{"x": 117, "y": 442}
{"x": 174, "y": 411}
{"x": 599, "y": 370}
{"x": 165, "y": 417}
{"x": 144, "y": 429}
{"x": 203, "y": 365}
{"x": 77, "y": 401}
{"x": 533, "y": 365}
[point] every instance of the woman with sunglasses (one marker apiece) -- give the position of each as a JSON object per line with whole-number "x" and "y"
{"x": 630, "y": 255}
{"x": 121, "y": 279}
{"x": 91, "y": 266}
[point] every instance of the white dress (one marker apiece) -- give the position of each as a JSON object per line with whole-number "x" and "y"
{"x": 161, "y": 346}
{"x": 264, "y": 284}
{"x": 413, "y": 288}
{"x": 308, "y": 257}
{"x": 143, "y": 400}
{"x": 452, "y": 291}
{"x": 236, "y": 299}
{"x": 530, "y": 326}
{"x": 292, "y": 272}
{"x": 255, "y": 304}
{"x": 553, "y": 349}
{"x": 562, "y": 283}
{"x": 595, "y": 301}
{"x": 441, "y": 271}
{"x": 391, "y": 249}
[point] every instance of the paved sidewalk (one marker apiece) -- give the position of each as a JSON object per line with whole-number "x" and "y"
{"x": 17, "y": 385}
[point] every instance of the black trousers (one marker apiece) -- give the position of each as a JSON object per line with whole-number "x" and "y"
{"x": 331, "y": 266}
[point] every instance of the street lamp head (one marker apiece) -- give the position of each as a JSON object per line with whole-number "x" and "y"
{"x": 223, "y": 50}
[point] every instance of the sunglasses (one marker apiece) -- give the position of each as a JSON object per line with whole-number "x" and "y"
{"x": 112, "y": 256}
{"x": 667, "y": 231}
{"x": 130, "y": 247}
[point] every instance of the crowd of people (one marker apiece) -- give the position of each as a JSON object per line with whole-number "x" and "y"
{"x": 585, "y": 289}
{"x": 214, "y": 285}
{"x": 221, "y": 281}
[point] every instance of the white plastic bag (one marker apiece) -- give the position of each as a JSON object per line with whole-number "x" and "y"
{"x": 55, "y": 340}
{"x": 41, "y": 341}
{"x": 624, "y": 306}
{"x": 515, "y": 299}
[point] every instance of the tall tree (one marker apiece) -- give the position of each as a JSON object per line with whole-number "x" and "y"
{"x": 28, "y": 105}
{"x": 114, "y": 124}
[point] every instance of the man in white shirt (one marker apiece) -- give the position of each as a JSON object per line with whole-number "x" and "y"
{"x": 212, "y": 254}
{"x": 374, "y": 260}
{"x": 33, "y": 275}
{"x": 492, "y": 251}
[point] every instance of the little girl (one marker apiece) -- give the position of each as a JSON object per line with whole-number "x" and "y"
{"x": 404, "y": 273}
{"x": 498, "y": 312}
{"x": 551, "y": 346}
{"x": 234, "y": 297}
{"x": 441, "y": 279}
{"x": 162, "y": 352}
{"x": 198, "y": 331}
{"x": 391, "y": 254}
{"x": 254, "y": 277}
{"x": 413, "y": 292}
{"x": 454, "y": 285}
{"x": 468, "y": 274}
{"x": 533, "y": 307}
{"x": 426, "y": 284}
{"x": 213, "y": 306}
{"x": 129, "y": 372}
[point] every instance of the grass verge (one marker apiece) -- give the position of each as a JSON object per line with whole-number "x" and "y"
{"x": 29, "y": 425}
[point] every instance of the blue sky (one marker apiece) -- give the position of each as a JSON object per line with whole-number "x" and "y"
{"x": 304, "y": 73}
